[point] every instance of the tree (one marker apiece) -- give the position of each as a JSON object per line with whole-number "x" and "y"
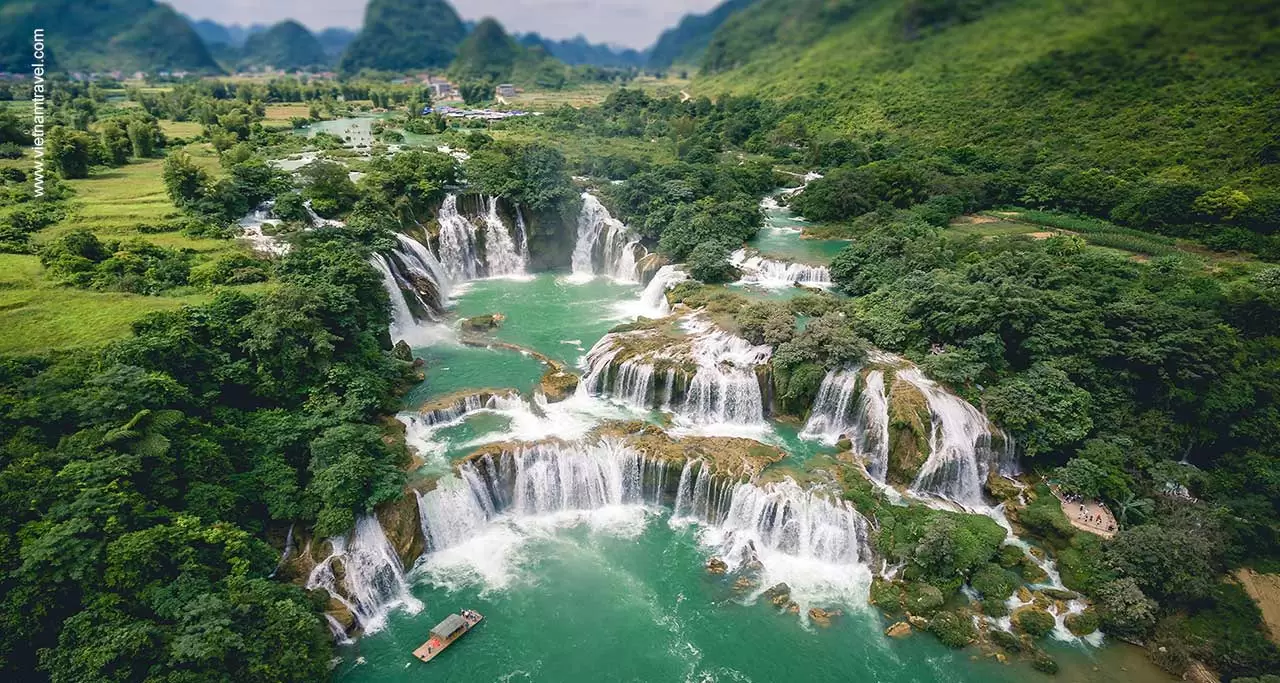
{"x": 70, "y": 151}
{"x": 327, "y": 185}
{"x": 1125, "y": 610}
{"x": 1042, "y": 408}
{"x": 185, "y": 182}
{"x": 114, "y": 143}
{"x": 709, "y": 262}
{"x": 143, "y": 137}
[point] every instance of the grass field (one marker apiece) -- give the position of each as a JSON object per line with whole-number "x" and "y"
{"x": 38, "y": 315}
{"x": 286, "y": 111}
{"x": 112, "y": 202}
{"x": 181, "y": 129}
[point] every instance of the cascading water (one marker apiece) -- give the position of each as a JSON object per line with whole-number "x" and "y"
{"x": 605, "y": 246}
{"x": 653, "y": 301}
{"x": 457, "y": 242}
{"x": 373, "y": 582}
{"x": 723, "y": 389}
{"x": 422, "y": 263}
{"x": 502, "y": 256}
{"x": 764, "y": 272}
{"x": 960, "y": 445}
{"x": 841, "y": 411}
{"x": 402, "y": 318}
{"x": 797, "y": 522}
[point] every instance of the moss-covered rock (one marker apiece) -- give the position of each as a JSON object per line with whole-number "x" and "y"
{"x": 952, "y": 629}
{"x": 730, "y": 456}
{"x": 1002, "y": 489}
{"x": 1005, "y": 640}
{"x": 403, "y": 527}
{"x": 1034, "y": 621}
{"x": 909, "y": 425}
{"x": 1084, "y": 623}
{"x": 922, "y": 598}
{"x": 887, "y": 595}
{"x": 557, "y": 385}
{"x": 483, "y": 323}
{"x": 1043, "y": 663}
{"x": 402, "y": 352}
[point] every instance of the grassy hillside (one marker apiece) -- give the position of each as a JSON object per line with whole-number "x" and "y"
{"x": 684, "y": 42}
{"x": 1143, "y": 90}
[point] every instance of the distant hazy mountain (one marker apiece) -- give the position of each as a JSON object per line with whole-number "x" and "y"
{"x": 685, "y": 43}
{"x": 580, "y": 51}
{"x": 335, "y": 40}
{"x": 287, "y": 45}
{"x": 102, "y": 35}
{"x": 214, "y": 34}
{"x": 401, "y": 35}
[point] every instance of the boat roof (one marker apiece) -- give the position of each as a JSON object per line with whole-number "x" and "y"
{"x": 451, "y": 623}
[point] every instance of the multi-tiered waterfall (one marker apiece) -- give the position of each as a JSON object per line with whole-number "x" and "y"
{"x": 468, "y": 253}
{"x": 605, "y": 246}
{"x": 964, "y": 447}
{"x": 853, "y": 405}
{"x": 372, "y": 582}
{"x": 706, "y": 377}
{"x": 421, "y": 282}
{"x": 764, "y": 272}
{"x": 961, "y": 452}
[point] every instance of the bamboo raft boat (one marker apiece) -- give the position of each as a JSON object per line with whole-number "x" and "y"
{"x": 444, "y": 633}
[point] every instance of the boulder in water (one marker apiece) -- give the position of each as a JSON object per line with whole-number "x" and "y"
{"x": 716, "y": 565}
{"x": 898, "y": 630}
{"x": 744, "y": 584}
{"x": 557, "y": 384}
{"x": 919, "y": 623}
{"x": 779, "y": 594}
{"x": 844, "y": 444}
{"x": 483, "y": 323}
{"x": 823, "y": 617}
{"x": 1060, "y": 593}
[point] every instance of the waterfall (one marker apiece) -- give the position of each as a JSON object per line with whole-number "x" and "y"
{"x": 763, "y": 272}
{"x": 700, "y": 495}
{"x": 456, "y": 510}
{"x": 524, "y": 233}
{"x": 337, "y": 631}
{"x": 797, "y": 522}
{"x": 402, "y": 318}
{"x": 373, "y": 582}
{"x": 537, "y": 480}
{"x": 841, "y": 411}
{"x": 815, "y": 543}
{"x": 501, "y": 254}
{"x": 422, "y": 263}
{"x": 653, "y": 301}
{"x": 605, "y": 246}
{"x": 960, "y": 450}
{"x": 723, "y": 390}
{"x": 457, "y": 242}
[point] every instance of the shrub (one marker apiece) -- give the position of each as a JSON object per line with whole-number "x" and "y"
{"x": 1084, "y": 623}
{"x": 1034, "y": 621}
{"x": 994, "y": 582}
{"x": 923, "y": 598}
{"x": 952, "y": 629}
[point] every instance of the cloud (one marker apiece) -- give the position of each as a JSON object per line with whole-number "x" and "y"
{"x": 634, "y": 23}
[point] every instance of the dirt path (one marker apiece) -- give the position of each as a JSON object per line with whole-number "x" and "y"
{"x": 1089, "y": 515}
{"x": 1265, "y": 590}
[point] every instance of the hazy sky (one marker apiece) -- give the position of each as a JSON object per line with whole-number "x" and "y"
{"x": 634, "y": 23}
